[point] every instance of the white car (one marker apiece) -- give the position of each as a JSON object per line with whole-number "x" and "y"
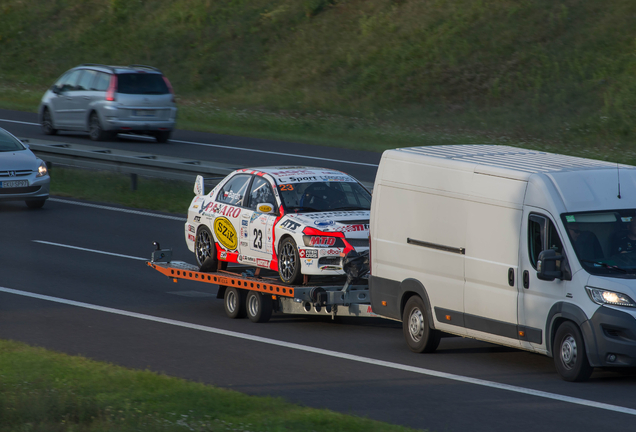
{"x": 294, "y": 220}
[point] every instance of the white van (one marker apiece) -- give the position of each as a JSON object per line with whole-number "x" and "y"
{"x": 522, "y": 248}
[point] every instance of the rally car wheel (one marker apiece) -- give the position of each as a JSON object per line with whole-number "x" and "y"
{"x": 204, "y": 248}
{"x": 289, "y": 262}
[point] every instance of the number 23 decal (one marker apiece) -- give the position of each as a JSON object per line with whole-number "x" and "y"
{"x": 287, "y": 187}
{"x": 258, "y": 239}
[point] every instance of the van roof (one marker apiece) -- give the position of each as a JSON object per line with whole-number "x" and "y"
{"x": 511, "y": 158}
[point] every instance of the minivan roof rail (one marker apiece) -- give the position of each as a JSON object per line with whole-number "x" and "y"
{"x": 144, "y": 66}
{"x": 112, "y": 69}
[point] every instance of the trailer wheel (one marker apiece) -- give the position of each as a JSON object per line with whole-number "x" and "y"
{"x": 570, "y": 357}
{"x": 234, "y": 302}
{"x": 419, "y": 336}
{"x": 259, "y": 307}
{"x": 289, "y": 262}
{"x": 205, "y": 249}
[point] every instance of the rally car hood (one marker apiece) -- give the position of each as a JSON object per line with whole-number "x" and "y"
{"x": 351, "y": 223}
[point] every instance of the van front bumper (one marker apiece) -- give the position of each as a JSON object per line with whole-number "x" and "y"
{"x": 615, "y": 337}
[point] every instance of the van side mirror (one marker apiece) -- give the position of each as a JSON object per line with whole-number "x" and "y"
{"x": 547, "y": 266}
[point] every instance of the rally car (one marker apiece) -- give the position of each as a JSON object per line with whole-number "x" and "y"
{"x": 294, "y": 220}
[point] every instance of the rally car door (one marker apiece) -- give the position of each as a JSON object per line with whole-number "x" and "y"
{"x": 260, "y": 249}
{"x": 227, "y": 214}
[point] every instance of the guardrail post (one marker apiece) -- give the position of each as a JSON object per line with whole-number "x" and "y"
{"x": 133, "y": 182}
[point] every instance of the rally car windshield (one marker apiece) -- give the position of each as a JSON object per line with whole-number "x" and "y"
{"x": 324, "y": 196}
{"x": 604, "y": 241}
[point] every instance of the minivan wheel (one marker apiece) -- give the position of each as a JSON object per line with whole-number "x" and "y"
{"x": 420, "y": 337}
{"x": 97, "y": 133}
{"x": 570, "y": 358}
{"x": 162, "y": 136}
{"x": 47, "y": 123}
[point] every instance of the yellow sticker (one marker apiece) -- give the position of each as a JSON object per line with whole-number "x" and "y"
{"x": 225, "y": 233}
{"x": 265, "y": 208}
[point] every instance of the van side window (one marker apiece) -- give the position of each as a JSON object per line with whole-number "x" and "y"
{"x": 542, "y": 235}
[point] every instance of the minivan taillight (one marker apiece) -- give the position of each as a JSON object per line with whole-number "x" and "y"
{"x": 112, "y": 88}
{"x": 169, "y": 88}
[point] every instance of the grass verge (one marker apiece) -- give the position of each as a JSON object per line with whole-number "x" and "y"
{"x": 42, "y": 390}
{"x": 152, "y": 194}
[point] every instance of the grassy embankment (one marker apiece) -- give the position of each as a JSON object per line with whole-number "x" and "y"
{"x": 46, "y": 391}
{"x": 555, "y": 75}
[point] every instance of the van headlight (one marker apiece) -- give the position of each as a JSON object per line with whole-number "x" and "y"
{"x": 42, "y": 169}
{"x": 606, "y": 297}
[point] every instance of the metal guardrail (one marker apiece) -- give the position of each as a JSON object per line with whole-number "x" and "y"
{"x": 125, "y": 162}
{"x": 128, "y": 162}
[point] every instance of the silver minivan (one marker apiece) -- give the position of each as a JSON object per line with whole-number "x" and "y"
{"x": 107, "y": 100}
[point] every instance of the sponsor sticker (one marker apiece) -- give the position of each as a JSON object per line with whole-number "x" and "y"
{"x": 223, "y": 255}
{"x": 308, "y": 253}
{"x": 324, "y": 223}
{"x": 197, "y": 218}
{"x": 328, "y": 267}
{"x": 265, "y": 208}
{"x": 352, "y": 228}
{"x": 290, "y": 225}
{"x": 309, "y": 262}
{"x": 225, "y": 233}
{"x": 262, "y": 263}
{"x": 191, "y": 228}
{"x": 244, "y": 223}
{"x": 190, "y": 237}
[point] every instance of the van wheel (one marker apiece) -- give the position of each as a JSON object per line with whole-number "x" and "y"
{"x": 258, "y": 306}
{"x": 569, "y": 353}
{"x": 234, "y": 302}
{"x": 419, "y": 336}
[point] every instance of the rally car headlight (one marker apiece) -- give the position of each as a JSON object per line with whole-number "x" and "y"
{"x": 606, "y": 297}
{"x": 42, "y": 170}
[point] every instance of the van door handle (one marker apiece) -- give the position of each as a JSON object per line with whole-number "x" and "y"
{"x": 511, "y": 276}
{"x": 526, "y": 279}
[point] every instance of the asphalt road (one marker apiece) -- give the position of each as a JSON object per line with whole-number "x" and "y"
{"x": 73, "y": 279}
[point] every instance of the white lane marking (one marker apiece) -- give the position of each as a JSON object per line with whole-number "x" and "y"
{"x": 90, "y": 250}
{"x": 103, "y": 207}
{"x": 20, "y": 122}
{"x": 240, "y": 149}
{"x": 275, "y": 153}
{"x": 335, "y": 354}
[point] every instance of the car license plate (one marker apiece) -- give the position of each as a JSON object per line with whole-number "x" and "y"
{"x": 14, "y": 183}
{"x": 144, "y": 113}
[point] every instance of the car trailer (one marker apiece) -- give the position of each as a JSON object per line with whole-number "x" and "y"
{"x": 246, "y": 293}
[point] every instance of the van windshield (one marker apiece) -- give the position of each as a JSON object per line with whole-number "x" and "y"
{"x": 604, "y": 241}
{"x": 324, "y": 196}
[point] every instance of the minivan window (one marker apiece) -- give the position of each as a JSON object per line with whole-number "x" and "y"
{"x": 141, "y": 83}
{"x": 86, "y": 80}
{"x": 102, "y": 82}
{"x": 604, "y": 241}
{"x": 67, "y": 82}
